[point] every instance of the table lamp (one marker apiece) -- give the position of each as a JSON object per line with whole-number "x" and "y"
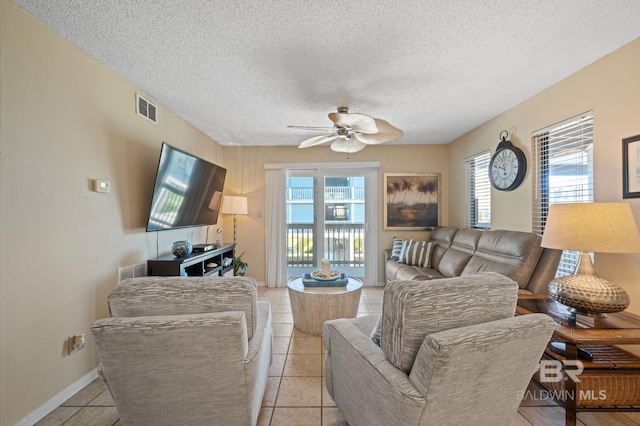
{"x": 234, "y": 205}
{"x": 590, "y": 227}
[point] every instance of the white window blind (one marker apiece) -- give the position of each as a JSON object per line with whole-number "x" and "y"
{"x": 562, "y": 173}
{"x": 478, "y": 191}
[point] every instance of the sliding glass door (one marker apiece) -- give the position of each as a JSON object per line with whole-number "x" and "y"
{"x": 330, "y": 214}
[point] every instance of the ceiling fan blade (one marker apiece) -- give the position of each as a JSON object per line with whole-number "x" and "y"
{"x": 317, "y": 140}
{"x": 347, "y": 145}
{"x": 359, "y": 122}
{"x": 319, "y": 129}
{"x": 387, "y": 133}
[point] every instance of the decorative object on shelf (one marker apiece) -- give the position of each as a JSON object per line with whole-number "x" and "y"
{"x": 239, "y": 265}
{"x": 181, "y": 248}
{"x": 338, "y": 280}
{"x": 590, "y": 227}
{"x": 411, "y": 201}
{"x": 352, "y": 132}
{"x": 325, "y": 276}
{"x": 507, "y": 166}
{"x": 234, "y": 205}
{"x": 326, "y": 266}
{"x": 219, "y": 242}
{"x": 631, "y": 167}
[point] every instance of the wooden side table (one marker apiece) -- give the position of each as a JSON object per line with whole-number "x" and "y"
{"x": 608, "y": 382}
{"x": 312, "y": 306}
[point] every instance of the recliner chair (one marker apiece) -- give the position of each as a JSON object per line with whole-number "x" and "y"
{"x": 183, "y": 350}
{"x": 450, "y": 352}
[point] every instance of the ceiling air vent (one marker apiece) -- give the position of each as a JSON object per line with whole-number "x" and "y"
{"x": 146, "y": 108}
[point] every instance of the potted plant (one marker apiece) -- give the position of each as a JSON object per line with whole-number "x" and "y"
{"x": 239, "y": 265}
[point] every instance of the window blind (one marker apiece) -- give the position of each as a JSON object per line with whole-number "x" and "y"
{"x": 478, "y": 191}
{"x": 562, "y": 173}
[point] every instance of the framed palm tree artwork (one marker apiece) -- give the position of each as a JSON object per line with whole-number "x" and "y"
{"x": 411, "y": 201}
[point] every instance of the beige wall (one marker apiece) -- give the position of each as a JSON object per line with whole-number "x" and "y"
{"x": 246, "y": 176}
{"x": 67, "y": 120}
{"x": 610, "y": 88}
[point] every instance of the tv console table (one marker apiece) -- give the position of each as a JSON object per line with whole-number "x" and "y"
{"x": 196, "y": 264}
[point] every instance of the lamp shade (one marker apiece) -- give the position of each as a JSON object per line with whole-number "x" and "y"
{"x": 234, "y": 205}
{"x": 592, "y": 227}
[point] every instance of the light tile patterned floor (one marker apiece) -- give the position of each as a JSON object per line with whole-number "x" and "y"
{"x": 295, "y": 393}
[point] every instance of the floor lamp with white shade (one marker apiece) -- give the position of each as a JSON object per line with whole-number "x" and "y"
{"x": 235, "y": 205}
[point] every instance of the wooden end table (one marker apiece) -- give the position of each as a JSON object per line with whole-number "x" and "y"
{"x": 608, "y": 382}
{"x": 312, "y": 306}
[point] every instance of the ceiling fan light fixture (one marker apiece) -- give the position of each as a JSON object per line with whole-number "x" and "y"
{"x": 354, "y": 131}
{"x": 347, "y": 145}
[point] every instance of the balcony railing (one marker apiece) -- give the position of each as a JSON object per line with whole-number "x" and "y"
{"x": 331, "y": 193}
{"x": 344, "y": 244}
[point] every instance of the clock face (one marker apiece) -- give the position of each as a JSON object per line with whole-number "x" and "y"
{"x": 507, "y": 169}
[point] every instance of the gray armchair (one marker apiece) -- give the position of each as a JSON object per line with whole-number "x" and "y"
{"x": 182, "y": 350}
{"x": 450, "y": 352}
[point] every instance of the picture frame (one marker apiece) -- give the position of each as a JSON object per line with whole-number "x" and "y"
{"x": 631, "y": 167}
{"x": 411, "y": 201}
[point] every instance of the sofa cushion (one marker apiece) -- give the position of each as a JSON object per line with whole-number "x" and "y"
{"x": 396, "y": 271}
{"x": 510, "y": 253}
{"x": 441, "y": 238}
{"x": 457, "y": 256}
{"x": 145, "y": 296}
{"x": 412, "y": 310}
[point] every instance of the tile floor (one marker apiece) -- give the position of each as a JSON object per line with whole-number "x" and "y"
{"x": 295, "y": 393}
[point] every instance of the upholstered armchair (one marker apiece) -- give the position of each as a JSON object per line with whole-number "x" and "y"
{"x": 451, "y": 352}
{"x": 183, "y": 350}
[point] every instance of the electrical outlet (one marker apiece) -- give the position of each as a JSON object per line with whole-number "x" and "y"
{"x": 75, "y": 343}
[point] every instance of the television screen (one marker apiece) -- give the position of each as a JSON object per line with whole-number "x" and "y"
{"x": 187, "y": 192}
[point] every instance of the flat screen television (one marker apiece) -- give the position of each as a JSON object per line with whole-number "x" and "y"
{"x": 187, "y": 191}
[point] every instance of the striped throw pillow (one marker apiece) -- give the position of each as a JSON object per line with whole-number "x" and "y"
{"x": 396, "y": 248}
{"x": 416, "y": 253}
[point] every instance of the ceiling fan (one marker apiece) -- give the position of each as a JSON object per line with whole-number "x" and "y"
{"x": 352, "y": 132}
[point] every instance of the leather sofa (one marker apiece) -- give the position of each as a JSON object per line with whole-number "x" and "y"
{"x": 463, "y": 252}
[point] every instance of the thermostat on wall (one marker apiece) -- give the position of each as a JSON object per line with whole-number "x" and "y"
{"x": 100, "y": 185}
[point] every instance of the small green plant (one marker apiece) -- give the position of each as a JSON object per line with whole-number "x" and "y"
{"x": 239, "y": 265}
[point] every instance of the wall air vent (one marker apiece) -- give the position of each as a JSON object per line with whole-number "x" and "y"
{"x": 132, "y": 271}
{"x": 146, "y": 109}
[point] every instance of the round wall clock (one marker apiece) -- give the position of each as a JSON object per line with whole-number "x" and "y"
{"x": 508, "y": 166}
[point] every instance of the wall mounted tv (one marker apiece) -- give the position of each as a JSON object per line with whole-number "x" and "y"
{"x": 187, "y": 191}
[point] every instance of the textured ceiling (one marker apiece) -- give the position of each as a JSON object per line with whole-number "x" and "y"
{"x": 241, "y": 70}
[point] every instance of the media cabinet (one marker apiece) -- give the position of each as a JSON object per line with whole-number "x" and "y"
{"x": 196, "y": 264}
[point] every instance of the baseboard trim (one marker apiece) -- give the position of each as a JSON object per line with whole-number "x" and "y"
{"x": 46, "y": 408}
